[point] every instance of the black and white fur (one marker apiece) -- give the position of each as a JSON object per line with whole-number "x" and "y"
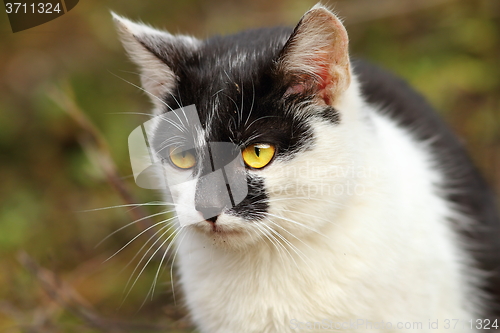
{"x": 370, "y": 209}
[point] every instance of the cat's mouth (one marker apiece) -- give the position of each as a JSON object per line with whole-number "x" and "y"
{"x": 223, "y": 230}
{"x": 219, "y": 228}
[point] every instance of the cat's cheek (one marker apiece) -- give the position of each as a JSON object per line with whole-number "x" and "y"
{"x": 320, "y": 180}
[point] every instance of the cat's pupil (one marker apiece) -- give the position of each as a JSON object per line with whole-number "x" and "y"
{"x": 257, "y": 151}
{"x": 183, "y": 154}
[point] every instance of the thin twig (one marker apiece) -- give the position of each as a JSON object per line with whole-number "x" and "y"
{"x": 68, "y": 298}
{"x": 98, "y": 151}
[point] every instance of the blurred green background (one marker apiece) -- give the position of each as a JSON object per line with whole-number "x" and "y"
{"x": 449, "y": 50}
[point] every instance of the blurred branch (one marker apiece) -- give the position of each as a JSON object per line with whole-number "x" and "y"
{"x": 69, "y": 299}
{"x": 98, "y": 151}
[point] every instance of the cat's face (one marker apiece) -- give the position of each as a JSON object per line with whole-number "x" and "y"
{"x": 276, "y": 98}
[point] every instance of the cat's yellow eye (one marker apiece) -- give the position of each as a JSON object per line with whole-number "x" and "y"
{"x": 183, "y": 159}
{"x": 258, "y": 155}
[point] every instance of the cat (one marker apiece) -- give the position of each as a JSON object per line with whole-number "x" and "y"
{"x": 362, "y": 210}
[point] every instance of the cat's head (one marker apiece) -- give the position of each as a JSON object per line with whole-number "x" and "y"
{"x": 287, "y": 102}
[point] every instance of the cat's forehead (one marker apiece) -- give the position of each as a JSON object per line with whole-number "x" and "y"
{"x": 230, "y": 79}
{"x": 247, "y": 47}
{"x": 231, "y": 64}
{"x": 262, "y": 85}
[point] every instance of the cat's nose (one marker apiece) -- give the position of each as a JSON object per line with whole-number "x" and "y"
{"x": 212, "y": 219}
{"x": 212, "y": 195}
{"x": 209, "y": 213}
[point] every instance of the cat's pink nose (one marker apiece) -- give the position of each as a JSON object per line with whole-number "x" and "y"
{"x": 209, "y": 213}
{"x": 212, "y": 219}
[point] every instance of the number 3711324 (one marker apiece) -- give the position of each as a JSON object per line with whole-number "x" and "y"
{"x": 38, "y": 8}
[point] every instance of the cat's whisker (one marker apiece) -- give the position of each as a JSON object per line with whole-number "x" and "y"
{"x": 280, "y": 241}
{"x": 153, "y": 284}
{"x": 140, "y": 250}
{"x": 142, "y": 89}
{"x": 182, "y": 128}
{"x": 251, "y": 107}
{"x": 173, "y": 261}
{"x": 149, "y": 240}
{"x": 137, "y": 266}
{"x": 150, "y": 247}
{"x": 176, "y": 101}
{"x": 160, "y": 265}
{"x": 218, "y": 91}
{"x": 297, "y": 223}
{"x": 310, "y": 215}
{"x": 299, "y": 253}
{"x": 261, "y": 231}
{"x": 132, "y": 223}
{"x": 159, "y": 99}
{"x": 182, "y": 103}
{"x": 138, "y": 235}
{"x": 132, "y": 113}
{"x": 159, "y": 83}
{"x": 170, "y": 142}
{"x": 172, "y": 242}
{"x": 153, "y": 203}
{"x": 332, "y": 204}
{"x": 150, "y": 258}
{"x": 242, "y": 100}
{"x": 230, "y": 127}
{"x": 290, "y": 233}
{"x": 278, "y": 244}
{"x": 292, "y": 246}
{"x": 236, "y": 105}
{"x": 257, "y": 231}
{"x": 252, "y": 138}
{"x": 131, "y": 72}
{"x": 182, "y": 109}
{"x": 271, "y": 239}
{"x": 260, "y": 118}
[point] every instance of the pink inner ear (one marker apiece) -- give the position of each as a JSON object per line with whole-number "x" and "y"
{"x": 295, "y": 89}
{"x": 321, "y": 69}
{"x": 320, "y": 77}
{"x": 325, "y": 81}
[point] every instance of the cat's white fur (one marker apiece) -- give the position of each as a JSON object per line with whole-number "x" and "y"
{"x": 364, "y": 237}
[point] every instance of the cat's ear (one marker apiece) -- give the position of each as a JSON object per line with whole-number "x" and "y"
{"x": 316, "y": 56}
{"x": 157, "y": 53}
